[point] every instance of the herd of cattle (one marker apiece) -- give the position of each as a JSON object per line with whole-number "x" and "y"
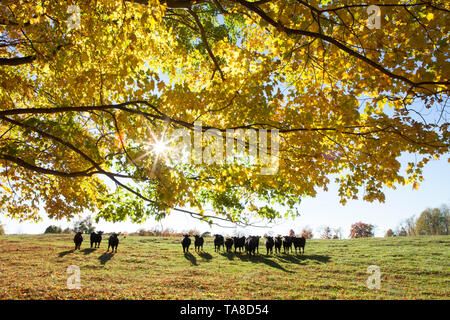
{"x": 96, "y": 239}
{"x": 249, "y": 244}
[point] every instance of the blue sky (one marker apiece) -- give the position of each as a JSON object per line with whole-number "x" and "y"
{"x": 322, "y": 210}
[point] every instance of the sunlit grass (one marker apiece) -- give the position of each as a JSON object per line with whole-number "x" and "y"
{"x": 34, "y": 267}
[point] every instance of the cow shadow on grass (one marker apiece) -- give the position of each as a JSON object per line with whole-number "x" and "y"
{"x": 316, "y": 257}
{"x": 301, "y": 258}
{"x": 104, "y": 258}
{"x": 190, "y": 257}
{"x": 205, "y": 255}
{"x": 262, "y": 259}
{"x": 88, "y": 250}
{"x": 228, "y": 255}
{"x": 64, "y": 253}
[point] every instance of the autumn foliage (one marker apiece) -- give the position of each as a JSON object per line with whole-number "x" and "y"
{"x": 82, "y": 108}
{"x": 307, "y": 233}
{"x": 389, "y": 233}
{"x": 361, "y": 230}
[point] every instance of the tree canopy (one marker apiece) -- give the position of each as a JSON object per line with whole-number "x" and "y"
{"x": 83, "y": 105}
{"x": 434, "y": 221}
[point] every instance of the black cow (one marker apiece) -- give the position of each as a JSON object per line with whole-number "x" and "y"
{"x": 239, "y": 243}
{"x": 256, "y": 239}
{"x": 229, "y": 243}
{"x": 198, "y": 242}
{"x": 269, "y": 244}
{"x": 287, "y": 243}
{"x": 277, "y": 243}
{"x": 186, "y": 242}
{"x": 251, "y": 244}
{"x": 96, "y": 239}
{"x": 78, "y": 239}
{"x": 113, "y": 241}
{"x": 300, "y": 244}
{"x": 218, "y": 242}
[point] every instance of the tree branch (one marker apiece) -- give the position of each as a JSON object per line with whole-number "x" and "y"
{"x": 205, "y": 42}
{"x": 289, "y": 31}
{"x": 16, "y": 61}
{"x": 28, "y": 166}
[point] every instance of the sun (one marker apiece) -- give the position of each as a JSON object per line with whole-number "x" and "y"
{"x": 159, "y": 147}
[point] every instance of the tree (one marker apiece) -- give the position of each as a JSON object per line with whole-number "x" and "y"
{"x": 307, "y": 233}
{"x": 67, "y": 230}
{"x": 410, "y": 226}
{"x": 389, "y": 233}
{"x": 206, "y": 234}
{"x": 326, "y": 233}
{"x": 361, "y": 230}
{"x": 401, "y": 232}
{"x": 434, "y": 221}
{"x": 338, "y": 233}
{"x": 84, "y": 225}
{"x": 89, "y": 105}
{"x": 53, "y": 229}
{"x": 2, "y": 230}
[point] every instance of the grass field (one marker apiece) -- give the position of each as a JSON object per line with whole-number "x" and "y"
{"x": 35, "y": 267}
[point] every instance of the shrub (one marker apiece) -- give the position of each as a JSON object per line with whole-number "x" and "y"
{"x": 67, "y": 230}
{"x": 143, "y": 232}
{"x": 53, "y": 229}
{"x": 389, "y": 233}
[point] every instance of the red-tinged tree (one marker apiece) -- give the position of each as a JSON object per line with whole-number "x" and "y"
{"x": 307, "y": 233}
{"x": 361, "y": 230}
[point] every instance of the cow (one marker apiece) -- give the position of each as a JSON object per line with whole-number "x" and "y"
{"x": 277, "y": 244}
{"x": 269, "y": 244}
{"x": 198, "y": 243}
{"x": 186, "y": 242}
{"x": 78, "y": 239}
{"x": 113, "y": 242}
{"x": 218, "y": 242}
{"x": 96, "y": 239}
{"x": 256, "y": 239}
{"x": 251, "y": 244}
{"x": 287, "y": 243}
{"x": 300, "y": 244}
{"x": 239, "y": 243}
{"x": 229, "y": 243}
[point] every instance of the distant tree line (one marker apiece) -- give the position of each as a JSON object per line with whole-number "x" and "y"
{"x": 85, "y": 225}
{"x": 434, "y": 221}
{"x": 327, "y": 232}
